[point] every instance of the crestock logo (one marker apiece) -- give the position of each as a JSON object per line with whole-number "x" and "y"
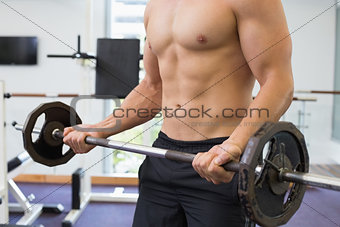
{"x": 202, "y": 112}
{"x": 73, "y": 119}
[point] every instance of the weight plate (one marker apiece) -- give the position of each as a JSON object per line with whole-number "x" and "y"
{"x": 277, "y": 186}
{"x": 263, "y": 205}
{"x": 48, "y": 129}
{"x": 44, "y": 150}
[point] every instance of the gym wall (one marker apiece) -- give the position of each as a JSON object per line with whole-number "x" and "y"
{"x": 313, "y": 69}
{"x": 63, "y": 19}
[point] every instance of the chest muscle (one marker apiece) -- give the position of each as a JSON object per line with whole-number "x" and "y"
{"x": 192, "y": 24}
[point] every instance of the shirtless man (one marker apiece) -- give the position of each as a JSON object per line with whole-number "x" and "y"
{"x": 203, "y": 53}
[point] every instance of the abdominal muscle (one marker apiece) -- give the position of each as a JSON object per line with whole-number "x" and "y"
{"x": 205, "y": 93}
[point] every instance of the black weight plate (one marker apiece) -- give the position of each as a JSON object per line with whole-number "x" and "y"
{"x": 43, "y": 150}
{"x": 277, "y": 186}
{"x": 260, "y": 203}
{"x": 48, "y": 130}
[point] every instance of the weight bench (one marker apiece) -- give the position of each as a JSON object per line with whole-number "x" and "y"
{"x": 31, "y": 211}
{"x": 82, "y": 196}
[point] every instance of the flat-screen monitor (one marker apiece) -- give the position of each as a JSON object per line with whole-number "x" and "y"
{"x": 18, "y": 50}
{"x": 117, "y": 71}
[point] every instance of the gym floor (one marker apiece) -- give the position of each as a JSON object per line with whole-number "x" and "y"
{"x": 320, "y": 207}
{"x": 95, "y": 214}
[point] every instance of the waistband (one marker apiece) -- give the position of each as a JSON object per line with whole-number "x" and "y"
{"x": 182, "y": 143}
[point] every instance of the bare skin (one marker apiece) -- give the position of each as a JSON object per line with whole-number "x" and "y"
{"x": 209, "y": 53}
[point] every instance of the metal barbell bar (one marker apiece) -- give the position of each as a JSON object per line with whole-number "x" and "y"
{"x": 283, "y": 174}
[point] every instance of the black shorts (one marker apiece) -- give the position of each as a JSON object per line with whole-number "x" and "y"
{"x": 172, "y": 193}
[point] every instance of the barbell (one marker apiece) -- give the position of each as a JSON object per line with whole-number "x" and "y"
{"x": 273, "y": 170}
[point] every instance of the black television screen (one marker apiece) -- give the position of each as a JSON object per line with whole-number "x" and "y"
{"x": 18, "y": 50}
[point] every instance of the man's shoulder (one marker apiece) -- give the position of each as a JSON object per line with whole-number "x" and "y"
{"x": 147, "y": 13}
{"x": 150, "y": 6}
{"x": 251, "y": 2}
{"x": 252, "y": 6}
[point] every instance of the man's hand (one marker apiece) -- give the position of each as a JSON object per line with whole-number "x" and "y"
{"x": 208, "y": 164}
{"x": 76, "y": 139}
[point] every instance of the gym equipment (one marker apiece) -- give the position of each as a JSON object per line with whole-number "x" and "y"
{"x": 82, "y": 196}
{"x": 70, "y": 95}
{"x": 266, "y": 194}
{"x": 8, "y": 171}
{"x": 318, "y": 92}
{"x": 17, "y": 161}
{"x": 77, "y": 55}
{"x": 117, "y": 69}
{"x": 39, "y": 95}
{"x": 48, "y": 149}
{"x": 23, "y": 203}
{"x": 271, "y": 185}
{"x": 3, "y": 161}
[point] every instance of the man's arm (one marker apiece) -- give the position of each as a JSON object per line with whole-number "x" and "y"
{"x": 266, "y": 45}
{"x": 147, "y": 95}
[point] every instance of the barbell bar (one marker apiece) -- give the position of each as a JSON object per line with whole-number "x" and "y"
{"x": 73, "y": 95}
{"x": 134, "y": 148}
{"x": 40, "y": 95}
{"x": 284, "y": 175}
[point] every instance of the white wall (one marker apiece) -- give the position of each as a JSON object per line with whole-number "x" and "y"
{"x": 313, "y": 68}
{"x": 64, "y": 19}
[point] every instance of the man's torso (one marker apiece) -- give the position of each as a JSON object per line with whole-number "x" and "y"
{"x": 202, "y": 68}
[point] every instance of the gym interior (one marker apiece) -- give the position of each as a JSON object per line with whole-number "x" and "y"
{"x": 89, "y": 55}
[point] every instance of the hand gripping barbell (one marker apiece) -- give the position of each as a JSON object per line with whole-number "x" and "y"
{"x": 271, "y": 186}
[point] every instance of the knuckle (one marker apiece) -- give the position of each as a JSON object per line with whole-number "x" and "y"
{"x": 79, "y": 140}
{"x": 219, "y": 150}
{"x": 198, "y": 155}
{"x": 197, "y": 163}
{"x": 203, "y": 165}
{"x": 211, "y": 169}
{"x": 215, "y": 148}
{"x": 200, "y": 165}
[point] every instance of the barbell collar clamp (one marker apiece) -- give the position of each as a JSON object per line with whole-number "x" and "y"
{"x": 57, "y": 134}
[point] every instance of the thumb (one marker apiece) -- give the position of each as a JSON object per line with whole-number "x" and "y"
{"x": 222, "y": 158}
{"x": 67, "y": 130}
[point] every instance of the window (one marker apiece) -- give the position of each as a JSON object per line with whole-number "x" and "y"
{"x": 336, "y": 100}
{"x": 126, "y": 20}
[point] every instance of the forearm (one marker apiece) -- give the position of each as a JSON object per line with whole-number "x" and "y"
{"x": 138, "y": 107}
{"x": 270, "y": 104}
